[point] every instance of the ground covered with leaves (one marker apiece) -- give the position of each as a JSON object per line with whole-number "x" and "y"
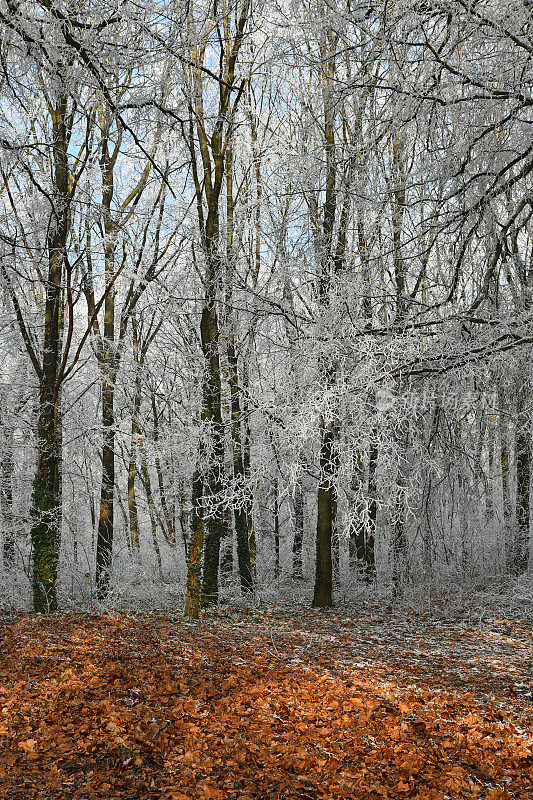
{"x": 266, "y": 705}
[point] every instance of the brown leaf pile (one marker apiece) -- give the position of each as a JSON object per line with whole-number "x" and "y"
{"x": 273, "y": 705}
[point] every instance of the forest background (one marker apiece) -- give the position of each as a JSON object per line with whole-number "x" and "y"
{"x": 265, "y": 299}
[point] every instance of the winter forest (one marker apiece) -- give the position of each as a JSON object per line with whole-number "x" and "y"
{"x": 266, "y": 299}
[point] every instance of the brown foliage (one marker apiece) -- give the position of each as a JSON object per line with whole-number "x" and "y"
{"x": 273, "y": 705}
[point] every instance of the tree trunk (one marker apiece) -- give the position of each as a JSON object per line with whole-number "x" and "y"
{"x": 331, "y": 262}
{"x": 335, "y": 553}
{"x": 489, "y": 482}
{"x": 213, "y": 520}
{"x": 108, "y": 369}
{"x": 326, "y": 505}
{"x": 297, "y": 545}
{"x": 104, "y": 540}
{"x": 194, "y": 571}
{"x": 505, "y": 461}
{"x": 242, "y": 509}
{"x": 277, "y": 565}
{"x": 400, "y": 563}
{"x": 362, "y": 534}
{"x": 208, "y": 520}
{"x": 369, "y": 553}
{"x": 46, "y": 499}
{"x": 520, "y": 560}
{"x": 45, "y": 533}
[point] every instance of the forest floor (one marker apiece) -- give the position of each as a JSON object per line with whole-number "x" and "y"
{"x": 268, "y": 704}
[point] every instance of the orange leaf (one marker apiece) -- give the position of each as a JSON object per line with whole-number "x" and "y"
{"x": 27, "y": 745}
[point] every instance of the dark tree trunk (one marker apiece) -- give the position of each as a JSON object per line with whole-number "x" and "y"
{"x": 45, "y": 532}
{"x": 213, "y": 519}
{"x": 326, "y": 505}
{"x": 369, "y": 553}
{"x": 277, "y": 564}
{"x": 363, "y": 530}
{"x": 400, "y": 564}
{"x": 104, "y": 541}
{"x": 242, "y": 510}
{"x": 208, "y": 520}
{"x": 297, "y": 545}
{"x": 108, "y": 368}
{"x": 520, "y": 560}
{"x": 335, "y": 554}
{"x": 46, "y": 498}
{"x": 194, "y": 572}
{"x": 505, "y": 463}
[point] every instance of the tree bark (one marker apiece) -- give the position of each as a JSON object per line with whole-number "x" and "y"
{"x": 107, "y": 363}
{"x": 46, "y": 499}
{"x": 213, "y": 520}
{"x": 194, "y": 571}
{"x": 520, "y": 559}
{"x": 297, "y": 544}
{"x": 242, "y": 510}
{"x": 275, "y": 494}
{"x": 505, "y": 462}
{"x": 323, "y": 591}
{"x": 362, "y": 533}
{"x": 208, "y": 520}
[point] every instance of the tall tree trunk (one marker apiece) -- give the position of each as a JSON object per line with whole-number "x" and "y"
{"x": 505, "y": 465}
{"x": 335, "y": 553}
{"x": 241, "y": 505}
{"x": 489, "y": 482}
{"x": 399, "y": 537}
{"x": 297, "y": 544}
{"x": 46, "y": 497}
{"x": 331, "y": 263}
{"x": 520, "y": 560}
{"x": 194, "y": 571}
{"x": 132, "y": 498}
{"x": 362, "y": 532}
{"x": 209, "y": 521}
{"x": 369, "y": 553}
{"x": 242, "y": 509}
{"x": 213, "y": 518}
{"x": 104, "y": 540}
{"x": 45, "y": 532}
{"x": 208, "y": 145}
{"x": 323, "y": 591}
{"x": 275, "y": 497}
